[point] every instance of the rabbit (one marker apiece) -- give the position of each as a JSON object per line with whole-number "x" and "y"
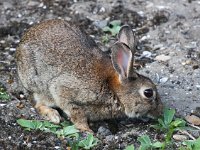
{"x": 63, "y": 67}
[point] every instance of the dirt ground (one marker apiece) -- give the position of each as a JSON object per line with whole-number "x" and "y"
{"x": 168, "y": 33}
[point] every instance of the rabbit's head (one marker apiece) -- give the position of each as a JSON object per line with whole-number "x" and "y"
{"x": 137, "y": 93}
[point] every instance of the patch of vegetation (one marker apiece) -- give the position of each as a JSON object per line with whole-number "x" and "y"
{"x": 146, "y": 144}
{"x": 64, "y": 130}
{"x": 111, "y": 30}
{"x": 191, "y": 145}
{"x": 168, "y": 124}
{"x": 130, "y": 147}
{"x": 4, "y": 94}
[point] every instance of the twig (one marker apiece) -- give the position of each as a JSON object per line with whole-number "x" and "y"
{"x": 194, "y": 126}
{"x": 188, "y": 134}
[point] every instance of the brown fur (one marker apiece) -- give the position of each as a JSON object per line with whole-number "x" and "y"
{"x": 63, "y": 67}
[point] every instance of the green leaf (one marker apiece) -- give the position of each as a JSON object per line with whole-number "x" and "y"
{"x": 178, "y": 123}
{"x": 67, "y": 131}
{"x": 168, "y": 115}
{"x": 161, "y": 122}
{"x": 4, "y": 95}
{"x": 89, "y": 142}
{"x": 157, "y": 145}
{"x": 29, "y": 124}
{"x": 197, "y": 144}
{"x": 130, "y": 147}
{"x": 115, "y": 22}
{"x": 113, "y": 28}
{"x": 192, "y": 144}
{"x": 144, "y": 140}
{"x": 65, "y": 123}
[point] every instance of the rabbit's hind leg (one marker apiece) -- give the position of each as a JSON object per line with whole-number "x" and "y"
{"x": 43, "y": 106}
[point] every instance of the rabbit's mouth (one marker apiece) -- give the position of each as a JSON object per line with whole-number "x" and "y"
{"x": 135, "y": 114}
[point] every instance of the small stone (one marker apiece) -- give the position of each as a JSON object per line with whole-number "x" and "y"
{"x": 2, "y": 41}
{"x": 29, "y": 145}
{"x": 179, "y": 137}
{"x": 146, "y": 54}
{"x": 21, "y": 96}
{"x": 163, "y": 58}
{"x": 19, "y": 15}
{"x": 103, "y": 131}
{"x": 33, "y": 3}
{"x": 12, "y": 49}
{"x": 164, "y": 80}
{"x": 100, "y": 23}
{"x": 57, "y": 147}
{"x": 41, "y": 5}
{"x": 102, "y": 10}
{"x": 193, "y": 120}
{"x": 187, "y": 62}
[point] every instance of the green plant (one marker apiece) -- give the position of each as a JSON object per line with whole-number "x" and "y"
{"x": 168, "y": 125}
{"x": 113, "y": 27}
{"x": 130, "y": 147}
{"x": 192, "y": 144}
{"x": 62, "y": 130}
{"x": 146, "y": 144}
{"x": 89, "y": 142}
{"x": 105, "y": 38}
{"x": 3, "y": 94}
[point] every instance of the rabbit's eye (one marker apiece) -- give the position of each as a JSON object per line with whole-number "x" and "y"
{"x": 148, "y": 93}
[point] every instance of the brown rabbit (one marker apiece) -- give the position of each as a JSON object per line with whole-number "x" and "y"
{"x": 63, "y": 67}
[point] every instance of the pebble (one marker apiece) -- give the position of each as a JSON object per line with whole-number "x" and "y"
{"x": 146, "y": 54}
{"x": 163, "y": 58}
{"x": 110, "y": 138}
{"x": 12, "y": 49}
{"x": 57, "y": 147}
{"x": 2, "y": 41}
{"x": 41, "y": 5}
{"x": 100, "y": 23}
{"x": 103, "y": 131}
{"x": 193, "y": 120}
{"x": 33, "y": 3}
{"x": 164, "y": 79}
{"x": 179, "y": 137}
{"x": 29, "y": 145}
{"x": 145, "y": 38}
{"x": 1, "y": 105}
{"x": 187, "y": 62}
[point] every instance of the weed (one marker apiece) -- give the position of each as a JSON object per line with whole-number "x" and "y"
{"x": 3, "y": 94}
{"x": 191, "y": 145}
{"x": 130, "y": 147}
{"x": 168, "y": 126}
{"x": 62, "y": 130}
{"x": 146, "y": 144}
{"x": 88, "y": 142}
{"x": 113, "y": 27}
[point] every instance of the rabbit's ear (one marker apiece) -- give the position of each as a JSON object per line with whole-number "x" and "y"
{"x": 122, "y": 60}
{"x": 126, "y": 36}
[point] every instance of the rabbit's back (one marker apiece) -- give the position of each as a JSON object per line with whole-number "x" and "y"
{"x": 56, "y": 47}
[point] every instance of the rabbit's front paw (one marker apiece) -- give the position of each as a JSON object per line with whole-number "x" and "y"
{"x": 53, "y": 116}
{"x": 49, "y": 113}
